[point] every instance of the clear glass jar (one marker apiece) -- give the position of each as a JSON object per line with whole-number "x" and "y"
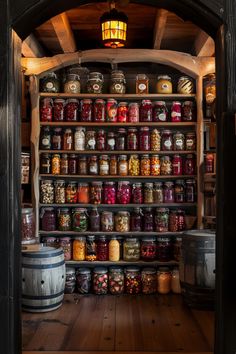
{"x": 95, "y": 82}
{"x": 45, "y": 163}
{"x": 47, "y": 192}
{"x": 59, "y": 109}
{"x": 164, "y": 249}
{"x": 148, "y": 248}
{"x": 83, "y": 166}
{"x": 93, "y": 165}
{"x": 144, "y": 139}
{"x": 162, "y": 220}
{"x": 70, "y": 283}
{"x": 122, "y": 221}
{"x": 94, "y": 220}
{"x": 181, "y": 220}
{"x": 177, "y": 165}
{"x": 163, "y": 280}
{"x": 113, "y": 165}
{"x": 173, "y": 221}
{"x": 111, "y": 141}
{"x": 134, "y": 165}
{"x": 137, "y": 193}
{"x": 142, "y": 84}
{"x": 83, "y": 193}
{"x": 179, "y": 141}
{"x": 185, "y": 85}
{"x": 79, "y": 139}
{"x": 209, "y": 163}
{"x": 60, "y": 191}
{"x": 167, "y": 140}
{"x": 131, "y": 250}
{"x": 56, "y": 164}
{"x": 176, "y": 112}
{"x": 160, "y": 112}
{"x": 175, "y": 281}
{"x": 57, "y": 139}
{"x": 104, "y": 165}
{"x": 111, "y": 110}
{"x": 132, "y": 139}
{"x": 79, "y": 248}
{"x": 64, "y": 164}
{"x": 117, "y": 82}
{"x": 190, "y": 141}
{"x": 179, "y": 191}
{"x": 27, "y": 226}
{"x": 114, "y": 249}
{"x": 116, "y": 280}
{"x": 46, "y": 109}
{"x": 68, "y": 139}
{"x": 86, "y": 110}
{"x": 148, "y": 220}
{"x": 91, "y": 249}
{"x": 190, "y": 191}
{"x": 72, "y": 164}
{"x": 158, "y": 194}
{"x": 188, "y": 111}
{"x": 166, "y": 165}
{"x": 99, "y": 110}
{"x": 136, "y": 220}
{"x": 102, "y": 249}
{"x": 148, "y": 193}
{"x": 169, "y": 192}
{"x": 145, "y": 111}
{"x": 72, "y": 83}
{"x": 149, "y": 281}
{"x": 121, "y": 139}
{"x": 49, "y": 241}
{"x": 133, "y": 115}
{"x": 109, "y": 193}
{"x": 90, "y": 140}
{"x": 122, "y": 165}
{"x": 101, "y": 139}
{"x": 107, "y": 221}
{"x": 189, "y": 165}
{"x": 100, "y": 281}
{"x": 132, "y": 280}
{"x": 48, "y": 219}
{"x": 164, "y": 84}
{"x": 83, "y": 280}
{"x": 155, "y": 165}
{"x": 71, "y": 193}
{"x": 122, "y": 112}
{"x": 50, "y": 83}
{"x": 145, "y": 165}
{"x": 45, "y": 138}
{"x": 155, "y": 140}
{"x": 66, "y": 244}
{"x": 96, "y": 192}
{"x": 64, "y": 219}
{"x": 72, "y": 110}
{"x": 123, "y": 192}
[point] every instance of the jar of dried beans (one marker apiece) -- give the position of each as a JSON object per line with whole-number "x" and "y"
{"x": 60, "y": 192}
{"x": 47, "y": 192}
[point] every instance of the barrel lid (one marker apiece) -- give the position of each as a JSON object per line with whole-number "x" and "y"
{"x": 199, "y": 233}
{"x": 45, "y": 252}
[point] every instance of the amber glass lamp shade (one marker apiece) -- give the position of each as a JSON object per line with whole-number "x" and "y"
{"x": 114, "y": 28}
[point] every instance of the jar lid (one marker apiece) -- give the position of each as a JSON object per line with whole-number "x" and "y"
{"x": 155, "y": 156}
{"x": 133, "y": 104}
{"x": 169, "y": 183}
{"x": 110, "y": 183}
{"x": 162, "y": 210}
{"x": 188, "y": 103}
{"x": 123, "y": 213}
{"x": 65, "y": 239}
{"x": 99, "y": 100}
{"x": 149, "y": 270}
{"x": 185, "y": 78}
{"x": 132, "y": 129}
{"x": 132, "y": 269}
{"x": 123, "y": 157}
{"x": 123, "y": 104}
{"x": 145, "y": 156}
{"x": 190, "y": 181}
{"x": 63, "y": 210}
{"x": 102, "y": 238}
{"x": 70, "y": 270}
{"x": 158, "y": 184}
{"x": 86, "y": 100}
{"x": 159, "y": 103}
{"x": 48, "y": 209}
{"x": 57, "y": 130}
{"x": 148, "y": 184}
{"x": 134, "y": 156}
{"x": 91, "y": 238}
{"x": 64, "y": 156}
{"x": 72, "y": 183}
{"x": 148, "y": 209}
{"x": 115, "y": 269}
{"x": 59, "y": 181}
{"x": 72, "y": 100}
{"x": 45, "y": 154}
{"x": 189, "y": 156}
{"x": 95, "y": 75}
{"x": 116, "y": 73}
{"x": 163, "y": 239}
{"x": 111, "y": 100}
{"x": 146, "y": 102}
{"x": 148, "y": 239}
{"x": 27, "y": 210}
{"x": 165, "y": 158}
{"x": 83, "y": 184}
{"x": 190, "y": 134}
{"x": 73, "y": 77}
{"x": 49, "y": 238}
{"x": 141, "y": 77}
{"x": 121, "y": 130}
{"x": 131, "y": 239}
{"x": 106, "y": 212}
{"x": 79, "y": 210}
{"x": 166, "y": 131}
{"x": 59, "y": 100}
{"x": 68, "y": 130}
{"x": 96, "y": 183}
{"x": 51, "y": 74}
{"x": 144, "y": 129}
{"x": 176, "y": 102}
{"x": 120, "y": 183}
{"x": 93, "y": 157}
{"x": 137, "y": 184}
{"x": 104, "y": 157}
{"x": 80, "y": 238}
{"x": 165, "y": 77}
{"x": 178, "y": 238}
{"x": 83, "y": 270}
{"x": 46, "y": 181}
{"x": 179, "y": 181}
{"x": 100, "y": 270}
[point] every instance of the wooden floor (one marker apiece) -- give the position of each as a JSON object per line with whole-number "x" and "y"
{"x": 150, "y": 323}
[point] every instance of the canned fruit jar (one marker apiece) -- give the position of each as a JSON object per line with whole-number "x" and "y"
{"x": 109, "y": 193}
{"x": 149, "y": 281}
{"x": 133, "y": 283}
{"x": 148, "y": 249}
{"x": 164, "y": 84}
{"x": 122, "y": 221}
{"x": 116, "y": 280}
{"x": 100, "y": 281}
{"x": 123, "y": 192}
{"x": 79, "y": 220}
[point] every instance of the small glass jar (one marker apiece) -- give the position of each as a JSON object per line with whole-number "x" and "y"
{"x": 64, "y": 164}
{"x": 114, "y": 249}
{"x": 209, "y": 163}
{"x": 122, "y": 112}
{"x": 162, "y": 220}
{"x": 121, "y": 139}
{"x": 149, "y": 281}
{"x": 48, "y": 219}
{"x": 47, "y": 192}
{"x": 50, "y": 83}
{"x": 164, "y": 84}
{"x": 175, "y": 281}
{"x": 113, "y": 165}
{"x": 166, "y": 166}
{"x": 122, "y": 165}
{"x": 188, "y": 111}
{"x": 116, "y": 280}
{"x": 107, "y": 221}
{"x": 59, "y": 109}
{"x": 177, "y": 165}
{"x": 83, "y": 166}
{"x": 131, "y": 250}
{"x": 45, "y": 138}
{"x": 94, "y": 220}
{"x": 185, "y": 85}
{"x": 102, "y": 249}
{"x": 95, "y": 82}
{"x": 68, "y": 139}
{"x": 72, "y": 83}
{"x": 181, "y": 220}
{"x": 71, "y": 193}
{"x": 72, "y": 164}
{"x": 111, "y": 141}
{"x": 173, "y": 221}
{"x": 60, "y": 192}
{"x": 155, "y": 140}
{"x": 57, "y": 139}
{"x": 148, "y": 193}
{"x": 100, "y": 281}
{"x": 49, "y": 241}
{"x": 160, "y": 112}
{"x": 122, "y": 221}
{"x": 177, "y": 248}
{"x": 145, "y": 111}
{"x": 27, "y": 226}
{"x": 169, "y": 194}
{"x": 72, "y": 110}
{"x": 66, "y": 244}
{"x": 56, "y": 164}
{"x": 104, "y": 165}
{"x": 123, "y": 192}
{"x": 145, "y": 165}
{"x": 83, "y": 280}
{"x": 101, "y": 140}
{"x": 142, "y": 84}
{"x": 136, "y": 220}
{"x": 179, "y": 191}
{"x": 137, "y": 193}
{"x": 133, "y": 115}
{"x": 167, "y": 140}
{"x": 189, "y": 165}
{"x": 144, "y": 139}
{"x": 132, "y": 139}
{"x": 91, "y": 249}
{"x": 99, "y": 110}
{"x": 134, "y": 165}
{"x": 96, "y": 192}
{"x": 109, "y": 193}
{"x": 132, "y": 280}
{"x": 117, "y": 82}
{"x": 79, "y": 248}
{"x": 148, "y": 249}
{"x": 45, "y": 163}
{"x": 148, "y": 220}
{"x": 90, "y": 140}
{"x": 158, "y": 194}
{"x": 179, "y": 141}
{"x": 190, "y": 191}
{"x": 176, "y": 113}
{"x": 93, "y": 165}
{"x": 79, "y": 139}
{"x": 70, "y": 283}
{"x": 46, "y": 109}
{"x": 64, "y": 219}
{"x": 83, "y": 193}
{"x": 111, "y": 110}
{"x": 190, "y": 141}
{"x": 86, "y": 110}
{"x": 163, "y": 280}
{"x": 164, "y": 249}
{"x": 155, "y": 165}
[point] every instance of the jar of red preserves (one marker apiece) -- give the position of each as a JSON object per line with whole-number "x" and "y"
{"x": 160, "y": 112}
{"x": 99, "y": 110}
{"x": 102, "y": 249}
{"x": 58, "y": 109}
{"x": 177, "y": 165}
{"x": 137, "y": 193}
{"x": 146, "y": 111}
{"x": 123, "y": 192}
{"x": 136, "y": 220}
{"x": 72, "y": 110}
{"x": 144, "y": 139}
{"x": 86, "y": 110}
{"x": 148, "y": 249}
{"x": 46, "y": 107}
{"x": 101, "y": 139}
{"x": 188, "y": 111}
{"x": 122, "y": 112}
{"x": 148, "y": 220}
{"x": 57, "y": 139}
{"x": 121, "y": 139}
{"x": 111, "y": 109}
{"x": 111, "y": 141}
{"x": 176, "y": 112}
{"x": 167, "y": 140}
{"x": 189, "y": 165}
{"x": 132, "y": 139}
{"x": 68, "y": 139}
{"x": 169, "y": 196}
{"x": 133, "y": 115}
{"x": 109, "y": 193}
{"x": 48, "y": 219}
{"x": 164, "y": 249}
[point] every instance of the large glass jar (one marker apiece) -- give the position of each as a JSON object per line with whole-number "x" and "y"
{"x": 164, "y": 249}
{"x": 176, "y": 114}
{"x": 111, "y": 141}
{"x": 66, "y": 244}
{"x": 148, "y": 193}
{"x": 104, "y": 165}
{"x": 185, "y": 85}
{"x": 99, "y": 110}
{"x": 101, "y": 139}
{"x": 58, "y": 109}
{"x": 144, "y": 139}
{"x": 175, "y": 281}
{"x": 71, "y": 193}
{"x": 95, "y": 82}
{"x": 158, "y": 194}
{"x": 83, "y": 193}
{"x": 117, "y": 82}
{"x": 162, "y": 220}
{"x": 122, "y": 221}
{"x": 166, "y": 165}
{"x": 64, "y": 164}
{"x": 96, "y": 192}
{"x": 177, "y": 248}
{"x": 177, "y": 165}
{"x": 45, "y": 163}
{"x": 68, "y": 139}
{"x": 145, "y": 165}
{"x": 189, "y": 165}
{"x": 169, "y": 193}
{"x": 136, "y": 220}
{"x": 163, "y": 280}
{"x": 122, "y": 112}
{"x": 86, "y": 110}
{"x": 132, "y": 139}
{"x": 56, "y": 164}
{"x": 179, "y": 191}
{"x": 48, "y": 219}
{"x": 47, "y": 192}
{"x": 72, "y": 164}
{"x": 190, "y": 141}
{"x": 114, "y": 249}
{"x": 100, "y": 281}
{"x": 167, "y": 140}
{"x": 148, "y": 248}
{"x": 90, "y": 140}
{"x": 179, "y": 141}
{"x": 94, "y": 220}
{"x": 121, "y": 139}
{"x": 45, "y": 138}
{"x": 72, "y": 83}
{"x": 79, "y": 248}
{"x": 133, "y": 115}
{"x": 57, "y": 139}
{"x": 109, "y": 193}
{"x": 83, "y": 165}
{"x": 116, "y": 280}
{"x": 93, "y": 165}
{"x": 122, "y": 165}
{"x": 60, "y": 191}
{"x": 91, "y": 249}
{"x": 188, "y": 111}
{"x": 181, "y": 220}
{"x": 79, "y": 139}
{"x": 113, "y": 165}
{"x": 142, "y": 84}
{"x": 155, "y": 140}
{"x": 64, "y": 219}
{"x": 102, "y": 249}
{"x": 83, "y": 280}
{"x": 134, "y": 165}
{"x": 111, "y": 110}
{"x": 190, "y": 191}
{"x": 131, "y": 250}
{"x": 173, "y": 221}
{"x": 46, "y": 109}
{"x": 155, "y": 165}
{"x": 72, "y": 110}
{"x": 149, "y": 281}
{"x": 148, "y": 220}
{"x": 123, "y": 192}
{"x": 164, "y": 84}
{"x": 70, "y": 280}
{"x": 137, "y": 193}
{"x": 107, "y": 221}
{"x": 160, "y": 112}
{"x": 132, "y": 280}
{"x": 27, "y": 226}
{"x": 50, "y": 83}
{"x": 145, "y": 112}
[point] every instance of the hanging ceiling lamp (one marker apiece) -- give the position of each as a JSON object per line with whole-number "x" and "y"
{"x": 114, "y": 27}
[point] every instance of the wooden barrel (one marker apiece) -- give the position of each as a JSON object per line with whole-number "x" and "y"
{"x": 43, "y": 279}
{"x": 197, "y": 268}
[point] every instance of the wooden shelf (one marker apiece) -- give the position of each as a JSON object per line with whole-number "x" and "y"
{"x": 127, "y": 96}
{"x": 97, "y": 177}
{"x": 117, "y": 152}
{"x": 121, "y": 263}
{"x": 154, "y": 205}
{"x": 113, "y": 233}
{"x": 111, "y": 124}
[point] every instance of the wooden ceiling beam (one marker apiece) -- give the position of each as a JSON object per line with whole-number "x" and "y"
{"x": 31, "y": 48}
{"x": 64, "y": 33}
{"x": 159, "y": 28}
{"x": 204, "y": 45}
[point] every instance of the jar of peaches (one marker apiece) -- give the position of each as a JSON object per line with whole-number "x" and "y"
{"x": 155, "y": 165}
{"x": 122, "y": 165}
{"x": 134, "y": 165}
{"x": 145, "y": 165}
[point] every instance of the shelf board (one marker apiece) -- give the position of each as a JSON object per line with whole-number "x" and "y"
{"x": 98, "y": 233}
{"x": 121, "y": 263}
{"x": 127, "y": 96}
{"x": 97, "y": 177}
{"x": 154, "y": 205}
{"x": 117, "y": 152}
{"x": 111, "y": 124}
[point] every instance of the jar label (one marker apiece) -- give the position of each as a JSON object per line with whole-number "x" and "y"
{"x": 162, "y": 116}
{"x": 96, "y": 87}
{"x": 168, "y": 143}
{"x": 179, "y": 142}
{"x": 111, "y": 142}
{"x": 104, "y": 168}
{"x": 49, "y": 85}
{"x": 189, "y": 143}
{"x": 73, "y": 87}
{"x": 93, "y": 169}
{"x": 164, "y": 86}
{"x": 91, "y": 142}
{"x": 142, "y": 87}
{"x": 69, "y": 140}
{"x": 175, "y": 114}
{"x": 45, "y": 142}
{"x": 118, "y": 87}
{"x": 79, "y": 144}
{"x": 156, "y": 166}
{"x": 123, "y": 167}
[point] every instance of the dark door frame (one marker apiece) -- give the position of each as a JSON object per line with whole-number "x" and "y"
{"x": 218, "y": 18}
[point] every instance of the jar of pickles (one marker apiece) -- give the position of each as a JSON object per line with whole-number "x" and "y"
{"x": 116, "y": 280}
{"x": 72, "y": 110}
{"x": 59, "y": 109}
{"x": 102, "y": 249}
{"x": 91, "y": 250}
{"x": 114, "y": 249}
{"x": 131, "y": 250}
{"x": 164, "y": 249}
{"x": 83, "y": 166}
{"x": 190, "y": 191}
{"x": 179, "y": 191}
{"x": 83, "y": 193}
{"x": 95, "y": 82}
{"x": 160, "y": 112}
{"x": 122, "y": 165}
{"x": 148, "y": 193}
{"x": 155, "y": 140}
{"x": 79, "y": 248}
{"x": 99, "y": 110}
{"x": 132, "y": 139}
{"x": 190, "y": 141}
{"x": 71, "y": 193}
{"x": 94, "y": 220}
{"x": 189, "y": 165}
{"x": 163, "y": 280}
{"x": 176, "y": 115}
{"x": 166, "y": 140}
{"x": 45, "y": 163}
{"x": 96, "y": 192}
{"x": 164, "y": 84}
{"x": 169, "y": 193}
{"x": 121, "y": 139}
{"x": 57, "y": 139}
{"x": 123, "y": 192}
{"x": 158, "y": 194}
{"x": 111, "y": 109}
{"x": 149, "y": 281}
{"x": 104, "y": 165}
{"x": 188, "y": 111}
{"x": 179, "y": 141}
{"x": 83, "y": 280}
{"x": 122, "y": 221}
{"x": 133, "y": 115}
{"x": 113, "y": 165}
{"x": 90, "y": 140}
{"x": 86, "y": 110}
{"x": 64, "y": 219}
{"x": 46, "y": 109}
{"x": 145, "y": 165}
{"x": 109, "y": 193}
{"x": 68, "y": 139}
{"x": 122, "y": 112}
{"x": 177, "y": 165}
{"x": 107, "y": 221}
{"x": 162, "y": 219}
{"x": 56, "y": 164}
{"x": 93, "y": 165}
{"x": 144, "y": 139}
{"x": 47, "y": 192}
{"x": 148, "y": 248}
{"x": 137, "y": 193}
{"x": 148, "y": 220}
{"x": 60, "y": 192}
{"x": 48, "y": 219}
{"x": 111, "y": 141}
{"x": 100, "y": 281}
{"x": 166, "y": 165}
{"x": 72, "y": 83}
{"x": 132, "y": 280}
{"x": 155, "y": 165}
{"x": 145, "y": 111}
{"x": 66, "y": 244}
{"x": 117, "y": 82}
{"x": 136, "y": 220}
{"x": 101, "y": 139}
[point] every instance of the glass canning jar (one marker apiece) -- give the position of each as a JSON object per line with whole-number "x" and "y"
{"x": 46, "y": 191}
{"x": 177, "y": 248}
{"x": 102, "y": 249}
{"x": 145, "y": 111}
{"x": 122, "y": 112}
{"x": 95, "y": 82}
{"x": 48, "y": 219}
{"x": 93, "y": 165}
{"x": 148, "y": 248}
{"x": 116, "y": 280}
{"x": 123, "y": 192}
{"x": 166, "y": 165}
{"x": 148, "y": 220}
{"x": 176, "y": 115}
{"x": 132, "y": 280}
{"x": 190, "y": 141}
{"x": 49, "y": 241}
{"x": 72, "y": 164}
{"x": 45, "y": 138}
{"x": 155, "y": 165}
{"x": 167, "y": 140}
{"x": 72, "y": 83}
{"x": 121, "y": 139}
{"x": 173, "y": 221}
{"x": 83, "y": 165}
{"x": 188, "y": 111}
{"x": 114, "y": 249}
{"x": 50, "y": 83}
{"x": 164, "y": 84}
{"x": 164, "y": 249}
{"x": 209, "y": 163}
{"x": 136, "y": 220}
{"x": 83, "y": 280}
{"x": 100, "y": 281}
{"x": 99, "y": 110}
{"x": 59, "y": 109}
{"x": 160, "y": 112}
{"x": 133, "y": 115}
{"x": 132, "y": 139}
{"x": 189, "y": 165}
{"x": 91, "y": 249}
{"x": 181, "y": 220}
{"x": 96, "y": 192}
{"x": 83, "y": 193}
{"x": 144, "y": 139}
{"x": 185, "y": 85}
{"x": 71, "y": 193}
{"x": 131, "y": 250}
{"x": 155, "y": 140}
{"x": 94, "y": 220}
{"x": 104, "y": 165}
{"x": 56, "y": 164}
{"x": 122, "y": 165}
{"x": 175, "y": 281}
{"x": 190, "y": 191}
{"x": 72, "y": 110}
{"x": 148, "y": 193}
{"x": 64, "y": 164}
{"x": 79, "y": 139}
{"x": 79, "y": 248}
{"x": 149, "y": 280}
{"x": 46, "y": 109}
{"x": 90, "y": 140}
{"x": 117, "y": 82}
{"x": 66, "y": 244}
{"x": 70, "y": 282}
{"x": 68, "y": 139}
{"x": 111, "y": 110}
{"x": 145, "y": 165}
{"x": 169, "y": 192}
{"x": 162, "y": 220}
{"x": 177, "y": 165}
{"x": 163, "y": 280}
{"x": 45, "y": 163}
{"x": 122, "y": 221}
{"x": 27, "y": 226}
{"x": 113, "y": 165}
{"x": 64, "y": 219}
{"x": 86, "y": 110}
{"x": 158, "y": 194}
{"x": 101, "y": 139}
{"x": 109, "y": 193}
{"x": 179, "y": 191}
{"x": 57, "y": 139}
{"x": 107, "y": 221}
{"x": 179, "y": 141}
{"x": 60, "y": 191}
{"x": 137, "y": 193}
{"x": 142, "y": 84}
{"x": 111, "y": 141}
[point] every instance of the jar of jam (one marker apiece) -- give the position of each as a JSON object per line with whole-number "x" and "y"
{"x": 164, "y": 84}
{"x": 79, "y": 139}
{"x": 46, "y": 108}
{"x": 189, "y": 165}
{"x": 166, "y": 165}
{"x": 131, "y": 250}
{"x": 177, "y": 165}
{"x": 72, "y": 83}
{"x": 109, "y": 193}
{"x": 90, "y": 140}
{"x": 99, "y": 110}
{"x": 177, "y": 248}
{"x": 94, "y": 220}
{"x": 136, "y": 220}
{"x": 173, "y": 221}
{"x": 155, "y": 165}
{"x": 121, "y": 139}
{"x": 93, "y": 165}
{"x": 122, "y": 165}
{"x": 45, "y": 163}
{"x": 83, "y": 166}
{"x": 79, "y": 248}
{"x": 111, "y": 141}
{"x": 158, "y": 194}
{"x": 96, "y": 192}
{"x": 122, "y": 112}
{"x": 91, "y": 249}
{"x": 71, "y": 193}
{"x": 72, "y": 110}
{"x": 149, "y": 281}
{"x": 179, "y": 191}
{"x": 132, "y": 280}
{"x": 83, "y": 193}
{"x": 176, "y": 115}
{"x": 86, "y": 109}
{"x": 60, "y": 191}
{"x": 59, "y": 109}
{"x": 160, "y": 112}
{"x": 209, "y": 163}
{"x": 148, "y": 193}
{"x": 45, "y": 138}
{"x": 50, "y": 83}
{"x": 117, "y": 82}
{"x": 144, "y": 139}
{"x": 190, "y": 141}
{"x": 111, "y": 109}
{"x": 179, "y": 141}
{"x": 100, "y": 281}
{"x": 145, "y": 165}
{"x": 116, "y": 280}
{"x": 57, "y": 139}
{"x": 104, "y": 165}
{"x": 188, "y": 111}
{"x": 113, "y": 165}
{"x": 56, "y": 162}
{"x": 66, "y": 244}
{"x": 169, "y": 193}
{"x": 164, "y": 248}
{"x": 122, "y": 221}
{"x": 163, "y": 280}
{"x": 64, "y": 164}
{"x": 27, "y": 226}
{"x": 137, "y": 193}
{"x": 107, "y": 221}
{"x": 167, "y": 140}
{"x": 185, "y": 85}
{"x": 133, "y": 114}
{"x": 47, "y": 192}
{"x": 162, "y": 219}
{"x": 190, "y": 191}
{"x": 142, "y": 84}
{"x": 48, "y": 219}
{"x": 83, "y": 280}
{"x": 114, "y": 249}
{"x": 148, "y": 248}
{"x": 102, "y": 249}
{"x": 123, "y": 192}
{"x": 95, "y": 82}
{"x": 148, "y": 220}
{"x": 68, "y": 140}
{"x": 155, "y": 140}
{"x": 145, "y": 112}
{"x": 101, "y": 140}
{"x": 64, "y": 219}
{"x": 132, "y": 139}
{"x": 72, "y": 164}
{"x": 134, "y": 165}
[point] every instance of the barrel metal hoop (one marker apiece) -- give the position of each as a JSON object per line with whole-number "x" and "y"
{"x": 43, "y": 255}
{"x": 42, "y": 297}
{"x": 31, "y": 307}
{"x": 43, "y": 266}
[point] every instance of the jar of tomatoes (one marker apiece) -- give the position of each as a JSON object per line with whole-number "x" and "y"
{"x": 46, "y": 109}
{"x": 176, "y": 115}
{"x": 111, "y": 110}
{"x": 144, "y": 139}
{"x": 122, "y": 112}
{"x": 123, "y": 192}
{"x": 99, "y": 110}
{"x": 72, "y": 110}
{"x": 86, "y": 110}
{"x": 83, "y": 193}
{"x": 145, "y": 111}
{"x": 59, "y": 109}
{"x": 132, "y": 139}
{"x": 109, "y": 193}
{"x": 160, "y": 112}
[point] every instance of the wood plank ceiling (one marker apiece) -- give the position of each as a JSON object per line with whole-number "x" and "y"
{"x": 148, "y": 27}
